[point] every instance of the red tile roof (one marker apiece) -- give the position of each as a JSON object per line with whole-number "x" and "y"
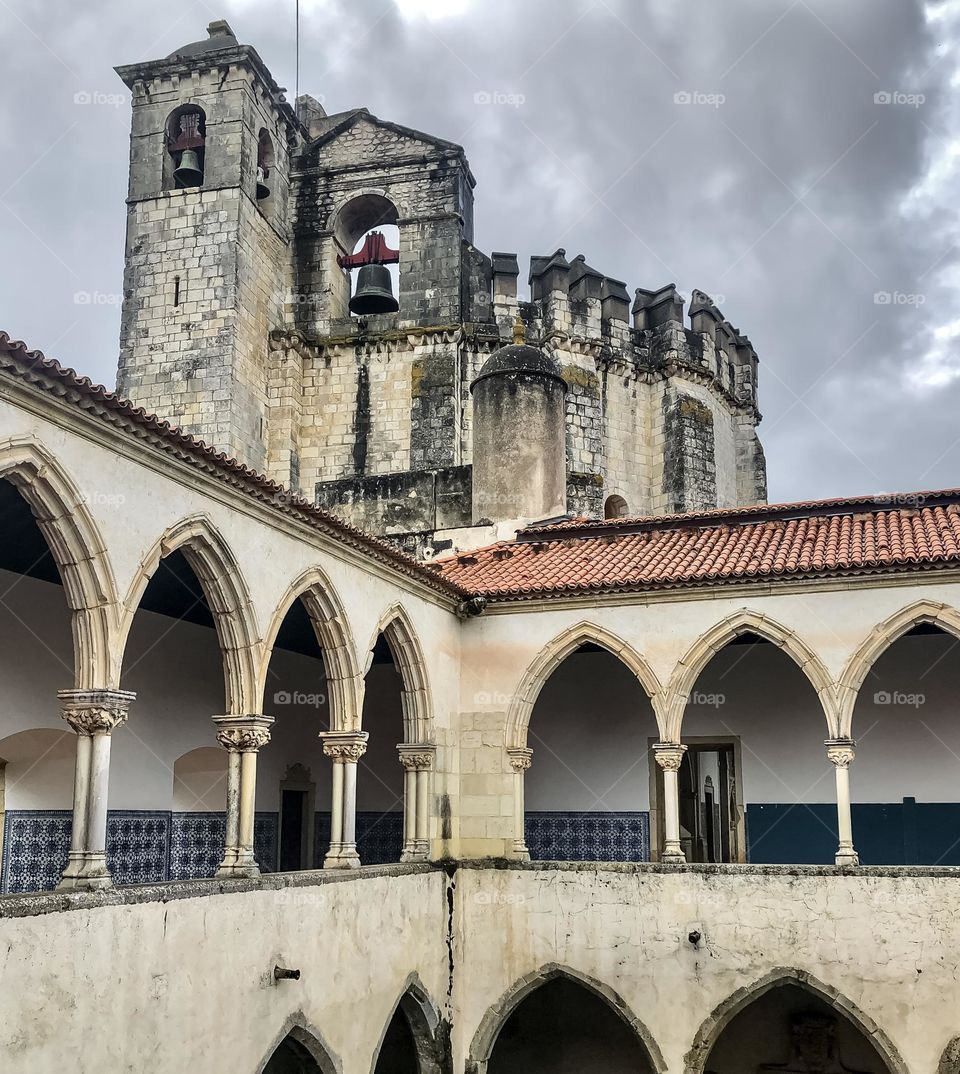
{"x": 45, "y": 374}
{"x": 826, "y": 538}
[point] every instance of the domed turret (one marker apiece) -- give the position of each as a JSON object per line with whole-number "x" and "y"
{"x": 519, "y": 455}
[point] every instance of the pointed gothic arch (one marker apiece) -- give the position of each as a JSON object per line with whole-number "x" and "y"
{"x": 883, "y": 635}
{"x": 552, "y": 655}
{"x": 421, "y": 1014}
{"x": 396, "y": 626}
{"x": 301, "y": 1042}
{"x": 332, "y": 630}
{"x": 67, "y": 526}
{"x": 713, "y": 1026}
{"x": 745, "y": 621}
{"x": 225, "y": 591}
{"x": 485, "y": 1038}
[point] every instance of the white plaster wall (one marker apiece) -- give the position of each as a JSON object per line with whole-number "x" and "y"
{"x": 188, "y": 984}
{"x": 888, "y": 944}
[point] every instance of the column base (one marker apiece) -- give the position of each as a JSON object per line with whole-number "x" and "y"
{"x": 238, "y": 862}
{"x": 847, "y": 857}
{"x": 344, "y": 856}
{"x": 673, "y": 856}
{"x": 520, "y": 851}
{"x": 415, "y": 852}
{"x": 85, "y": 872}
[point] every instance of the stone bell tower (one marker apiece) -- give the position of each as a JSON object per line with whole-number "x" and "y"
{"x": 208, "y": 238}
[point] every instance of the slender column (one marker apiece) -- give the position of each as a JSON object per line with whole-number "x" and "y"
{"x": 243, "y": 737}
{"x": 417, "y": 761}
{"x": 344, "y": 748}
{"x": 841, "y": 753}
{"x": 93, "y": 714}
{"x": 520, "y": 760}
{"x": 669, "y": 756}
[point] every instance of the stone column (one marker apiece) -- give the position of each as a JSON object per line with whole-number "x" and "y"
{"x": 93, "y": 714}
{"x": 242, "y": 737}
{"x": 841, "y": 753}
{"x": 520, "y": 760}
{"x": 344, "y": 748}
{"x": 417, "y": 761}
{"x": 669, "y": 756}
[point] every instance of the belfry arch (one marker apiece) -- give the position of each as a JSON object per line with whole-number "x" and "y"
{"x": 638, "y": 1050}
{"x": 808, "y": 997}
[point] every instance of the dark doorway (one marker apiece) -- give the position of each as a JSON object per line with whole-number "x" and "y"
{"x": 708, "y": 804}
{"x": 564, "y": 1028}
{"x": 293, "y": 806}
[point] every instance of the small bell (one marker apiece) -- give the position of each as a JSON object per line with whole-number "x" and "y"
{"x": 188, "y": 171}
{"x": 263, "y": 191}
{"x": 374, "y": 292}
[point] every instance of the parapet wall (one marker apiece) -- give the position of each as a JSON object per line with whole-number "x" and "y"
{"x": 180, "y": 976}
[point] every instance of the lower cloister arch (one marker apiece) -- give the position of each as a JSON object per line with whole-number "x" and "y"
{"x": 412, "y": 1041}
{"x": 745, "y": 621}
{"x": 552, "y": 655}
{"x": 825, "y": 1000}
{"x": 921, "y": 612}
{"x": 63, "y": 517}
{"x": 484, "y": 1043}
{"x": 298, "y": 1049}
{"x": 224, "y": 589}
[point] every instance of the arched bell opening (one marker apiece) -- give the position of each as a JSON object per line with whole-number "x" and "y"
{"x": 185, "y": 139}
{"x": 368, "y": 252}
{"x": 265, "y": 164}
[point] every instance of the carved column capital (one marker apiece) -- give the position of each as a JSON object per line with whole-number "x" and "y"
{"x": 669, "y": 755}
{"x": 344, "y": 746}
{"x": 841, "y": 751}
{"x": 95, "y": 712}
{"x": 243, "y": 734}
{"x": 521, "y": 757}
{"x": 416, "y": 756}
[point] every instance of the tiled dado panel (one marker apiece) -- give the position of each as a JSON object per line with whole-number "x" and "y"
{"x": 379, "y": 838}
{"x": 560, "y": 836}
{"x": 143, "y": 846}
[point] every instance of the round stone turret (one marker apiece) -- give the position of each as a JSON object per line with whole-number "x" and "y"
{"x": 519, "y": 454}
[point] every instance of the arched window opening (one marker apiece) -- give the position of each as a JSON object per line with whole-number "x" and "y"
{"x": 37, "y": 756}
{"x": 905, "y": 803}
{"x": 185, "y": 160}
{"x": 563, "y": 1026}
{"x": 586, "y": 792}
{"x": 755, "y": 783}
{"x": 265, "y": 163}
{"x": 292, "y": 1057}
{"x": 368, "y": 252}
{"x": 380, "y": 780}
{"x": 616, "y": 507}
{"x": 173, "y": 661}
{"x": 790, "y": 1028}
{"x": 294, "y": 780}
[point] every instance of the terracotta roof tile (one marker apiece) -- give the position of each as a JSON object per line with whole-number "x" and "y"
{"x": 863, "y": 535}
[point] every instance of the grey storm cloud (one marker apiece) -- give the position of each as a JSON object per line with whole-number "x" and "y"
{"x": 797, "y": 160}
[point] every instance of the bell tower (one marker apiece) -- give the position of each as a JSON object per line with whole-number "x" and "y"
{"x": 208, "y": 239}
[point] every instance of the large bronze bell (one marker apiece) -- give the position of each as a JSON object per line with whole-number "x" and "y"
{"x": 263, "y": 189}
{"x": 374, "y": 292}
{"x": 188, "y": 171}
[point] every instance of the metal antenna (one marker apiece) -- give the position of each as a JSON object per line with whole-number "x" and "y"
{"x": 296, "y": 91}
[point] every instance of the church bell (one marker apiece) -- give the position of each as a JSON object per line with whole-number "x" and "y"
{"x": 263, "y": 190}
{"x": 374, "y": 292}
{"x": 188, "y": 172}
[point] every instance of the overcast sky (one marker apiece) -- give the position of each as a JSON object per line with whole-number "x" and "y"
{"x": 797, "y": 159}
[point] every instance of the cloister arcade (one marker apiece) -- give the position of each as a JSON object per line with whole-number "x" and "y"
{"x": 237, "y": 697}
